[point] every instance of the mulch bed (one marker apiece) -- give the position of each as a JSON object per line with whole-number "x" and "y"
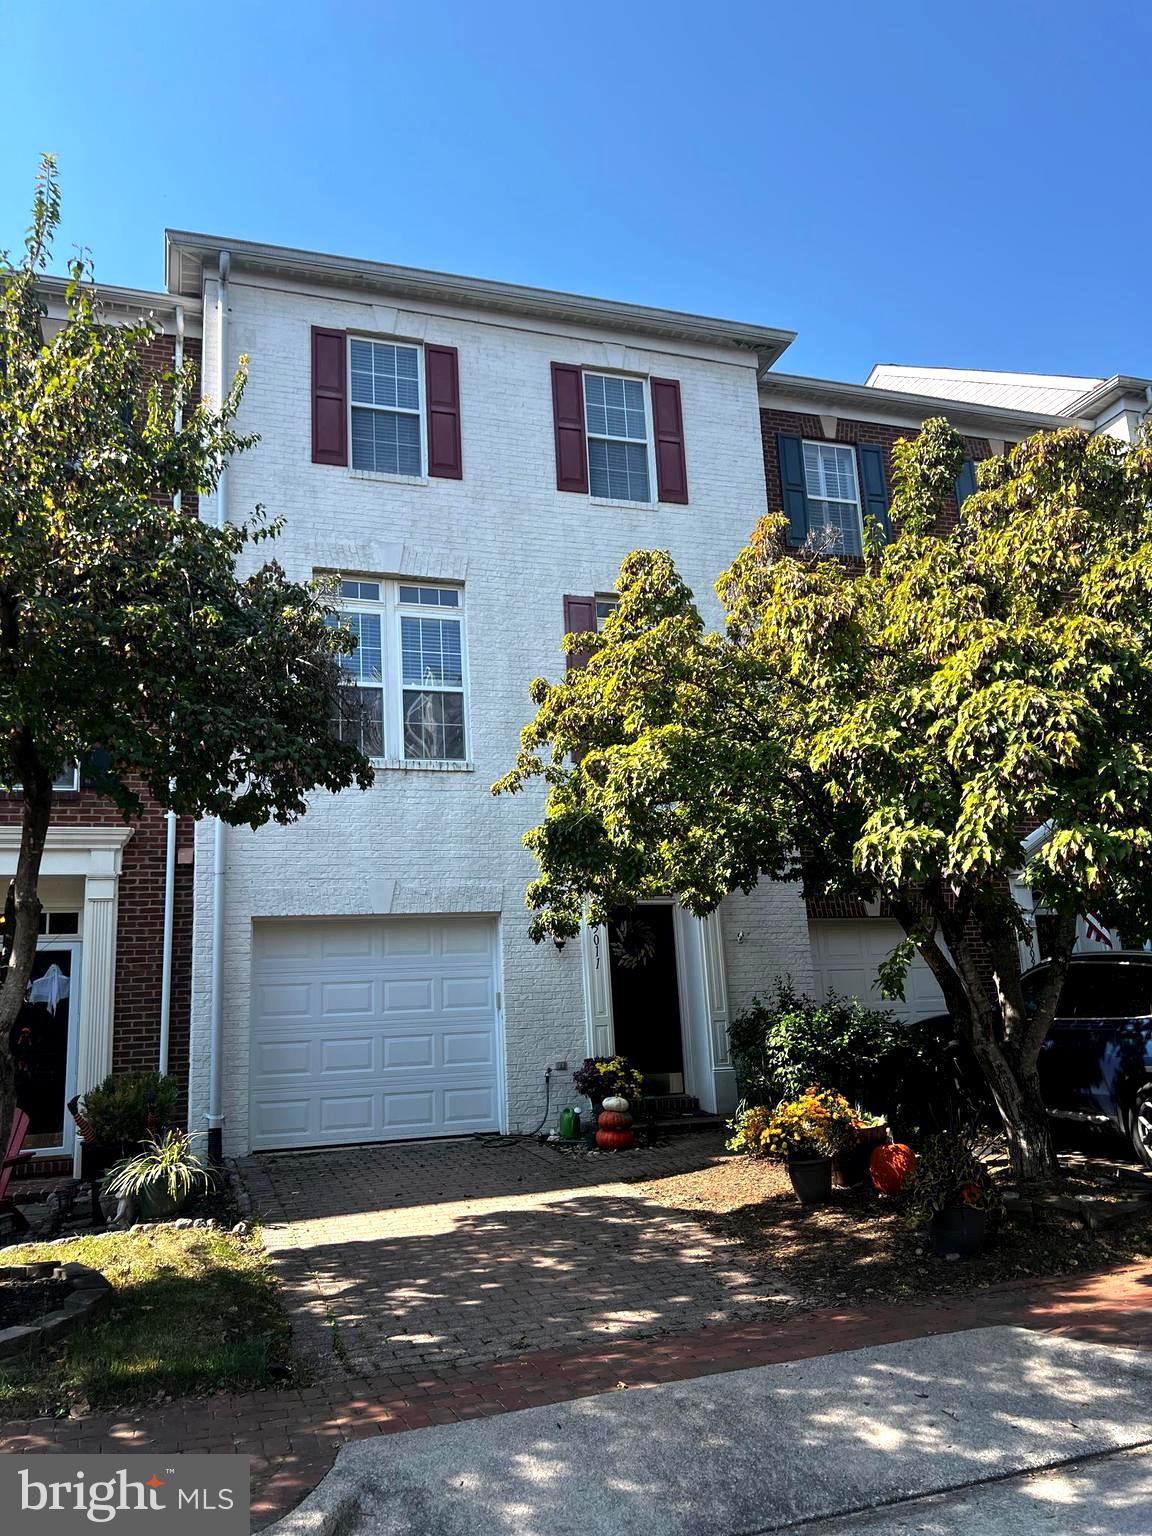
{"x": 862, "y": 1247}
{"x": 27, "y": 1301}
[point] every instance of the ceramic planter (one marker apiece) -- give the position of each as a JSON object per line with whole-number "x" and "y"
{"x": 957, "y": 1231}
{"x": 811, "y": 1179}
{"x": 850, "y": 1167}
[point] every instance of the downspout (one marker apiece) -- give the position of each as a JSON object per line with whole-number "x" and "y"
{"x": 170, "y": 819}
{"x": 216, "y": 1036}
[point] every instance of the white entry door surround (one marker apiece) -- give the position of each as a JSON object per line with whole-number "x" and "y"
{"x": 94, "y": 854}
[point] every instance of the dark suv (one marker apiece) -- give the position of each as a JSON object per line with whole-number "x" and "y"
{"x": 1096, "y": 1063}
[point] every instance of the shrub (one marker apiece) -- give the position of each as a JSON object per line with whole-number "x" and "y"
{"x": 781, "y": 1045}
{"x": 120, "y": 1107}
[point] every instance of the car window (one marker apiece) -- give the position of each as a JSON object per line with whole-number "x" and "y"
{"x": 1100, "y": 992}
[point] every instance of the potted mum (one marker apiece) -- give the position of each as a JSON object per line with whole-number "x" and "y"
{"x": 803, "y": 1134}
{"x": 607, "y": 1077}
{"x": 954, "y": 1194}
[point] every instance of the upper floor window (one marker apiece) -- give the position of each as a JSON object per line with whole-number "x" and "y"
{"x": 605, "y": 607}
{"x": 387, "y": 414}
{"x": 405, "y": 682}
{"x": 833, "y": 493}
{"x": 617, "y": 437}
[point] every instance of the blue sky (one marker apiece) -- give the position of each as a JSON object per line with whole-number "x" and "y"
{"x": 902, "y": 182}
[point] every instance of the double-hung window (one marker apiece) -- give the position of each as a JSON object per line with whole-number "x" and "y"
{"x": 617, "y": 426}
{"x": 387, "y": 411}
{"x": 404, "y": 694}
{"x": 432, "y": 672}
{"x": 833, "y": 493}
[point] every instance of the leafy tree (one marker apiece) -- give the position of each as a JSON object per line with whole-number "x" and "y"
{"x": 126, "y": 635}
{"x": 884, "y": 729}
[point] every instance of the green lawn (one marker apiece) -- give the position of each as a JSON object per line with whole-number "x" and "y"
{"x": 195, "y": 1311}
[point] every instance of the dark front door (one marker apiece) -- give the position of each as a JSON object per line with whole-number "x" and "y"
{"x": 645, "y": 995}
{"x": 40, "y": 1047}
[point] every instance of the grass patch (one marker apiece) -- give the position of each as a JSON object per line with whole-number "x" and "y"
{"x": 195, "y": 1311}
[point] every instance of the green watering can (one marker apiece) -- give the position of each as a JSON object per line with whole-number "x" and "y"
{"x": 569, "y": 1124}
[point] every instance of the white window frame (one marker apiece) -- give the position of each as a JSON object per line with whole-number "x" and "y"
{"x": 609, "y": 601}
{"x": 391, "y": 410}
{"x": 647, "y": 443}
{"x": 391, "y": 610}
{"x": 849, "y": 448}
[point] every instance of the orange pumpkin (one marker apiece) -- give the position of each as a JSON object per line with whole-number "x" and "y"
{"x": 891, "y": 1167}
{"x": 614, "y": 1141}
{"x": 612, "y": 1120}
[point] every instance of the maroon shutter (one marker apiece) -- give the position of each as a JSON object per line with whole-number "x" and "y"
{"x": 579, "y": 619}
{"x": 568, "y": 414}
{"x": 668, "y": 431}
{"x": 442, "y": 383}
{"x": 329, "y": 397}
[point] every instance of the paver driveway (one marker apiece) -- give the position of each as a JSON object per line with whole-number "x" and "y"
{"x": 403, "y": 1259}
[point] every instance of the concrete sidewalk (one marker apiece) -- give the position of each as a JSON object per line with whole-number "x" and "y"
{"x": 1104, "y": 1496}
{"x": 749, "y": 1451}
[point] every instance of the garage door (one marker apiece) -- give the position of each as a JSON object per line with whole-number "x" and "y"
{"x": 373, "y": 1030}
{"x": 846, "y": 957}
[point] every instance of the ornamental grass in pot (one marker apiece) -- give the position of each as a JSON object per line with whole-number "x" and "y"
{"x": 159, "y": 1179}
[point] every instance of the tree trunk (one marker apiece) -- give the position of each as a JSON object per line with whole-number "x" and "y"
{"x": 22, "y": 923}
{"x": 1016, "y": 1093}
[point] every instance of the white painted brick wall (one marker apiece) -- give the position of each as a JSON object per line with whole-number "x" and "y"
{"x": 439, "y": 841}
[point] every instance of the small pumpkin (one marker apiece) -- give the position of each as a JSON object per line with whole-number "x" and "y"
{"x": 610, "y": 1121}
{"x": 891, "y": 1167}
{"x": 618, "y": 1105}
{"x": 614, "y": 1141}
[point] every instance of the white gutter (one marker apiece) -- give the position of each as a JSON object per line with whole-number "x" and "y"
{"x": 170, "y": 818}
{"x": 216, "y": 1035}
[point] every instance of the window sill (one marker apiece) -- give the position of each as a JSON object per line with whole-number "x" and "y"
{"x": 422, "y": 765}
{"x": 633, "y": 506}
{"x": 375, "y": 474}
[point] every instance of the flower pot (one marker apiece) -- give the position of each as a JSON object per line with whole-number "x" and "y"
{"x": 958, "y": 1231}
{"x": 850, "y": 1167}
{"x": 811, "y": 1179}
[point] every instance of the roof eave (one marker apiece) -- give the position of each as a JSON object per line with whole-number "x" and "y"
{"x": 188, "y": 254}
{"x": 837, "y": 396}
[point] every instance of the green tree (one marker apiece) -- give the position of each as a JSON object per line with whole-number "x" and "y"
{"x": 126, "y": 636}
{"x": 885, "y": 729}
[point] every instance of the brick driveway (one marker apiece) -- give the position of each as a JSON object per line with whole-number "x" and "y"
{"x": 405, "y": 1258}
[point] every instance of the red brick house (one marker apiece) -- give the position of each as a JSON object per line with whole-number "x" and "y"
{"x": 111, "y": 985}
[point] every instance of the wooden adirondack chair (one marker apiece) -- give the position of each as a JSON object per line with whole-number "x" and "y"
{"x": 13, "y": 1157}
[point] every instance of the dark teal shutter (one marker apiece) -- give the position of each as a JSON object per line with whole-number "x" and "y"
{"x": 965, "y": 482}
{"x": 872, "y": 484}
{"x": 790, "y": 452}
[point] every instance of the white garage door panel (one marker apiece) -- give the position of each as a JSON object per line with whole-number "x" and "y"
{"x": 373, "y": 1030}
{"x": 846, "y": 956}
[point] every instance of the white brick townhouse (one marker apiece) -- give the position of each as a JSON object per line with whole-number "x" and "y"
{"x": 472, "y": 461}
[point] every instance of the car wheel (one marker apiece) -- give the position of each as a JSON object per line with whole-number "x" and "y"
{"x": 1140, "y": 1125}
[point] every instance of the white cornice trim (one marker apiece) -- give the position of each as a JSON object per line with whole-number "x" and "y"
{"x": 189, "y": 256}
{"x": 866, "y": 404}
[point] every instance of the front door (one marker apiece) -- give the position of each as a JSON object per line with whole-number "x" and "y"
{"x": 646, "y": 995}
{"x": 43, "y": 1047}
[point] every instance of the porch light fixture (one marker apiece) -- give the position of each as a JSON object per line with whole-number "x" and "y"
{"x": 559, "y": 943}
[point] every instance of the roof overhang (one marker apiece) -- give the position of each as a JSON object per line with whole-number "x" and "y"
{"x": 1121, "y": 389}
{"x": 868, "y": 404}
{"x": 189, "y": 257}
{"x": 124, "y": 304}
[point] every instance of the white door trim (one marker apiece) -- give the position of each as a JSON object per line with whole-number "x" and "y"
{"x": 95, "y": 854}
